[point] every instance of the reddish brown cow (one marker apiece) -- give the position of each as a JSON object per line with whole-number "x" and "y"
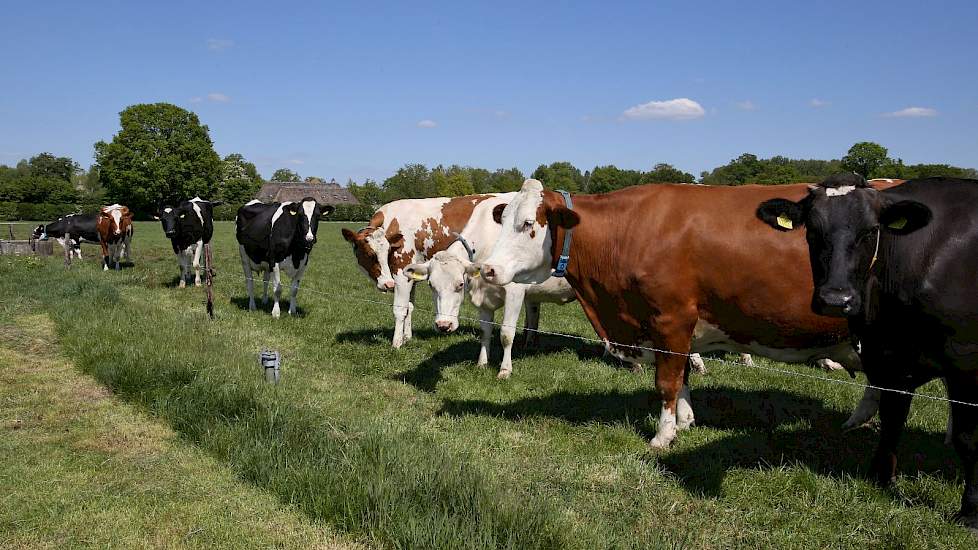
{"x": 679, "y": 268}
{"x": 115, "y": 230}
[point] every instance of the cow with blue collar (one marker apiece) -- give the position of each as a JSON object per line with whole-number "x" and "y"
{"x": 274, "y": 237}
{"x": 189, "y": 225}
{"x": 900, "y": 265}
{"x": 70, "y": 231}
{"x": 451, "y": 275}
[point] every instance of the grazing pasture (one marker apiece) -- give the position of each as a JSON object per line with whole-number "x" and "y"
{"x": 419, "y": 447}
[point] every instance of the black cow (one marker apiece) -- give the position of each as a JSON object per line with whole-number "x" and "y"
{"x": 277, "y": 236}
{"x": 189, "y": 226}
{"x": 71, "y": 231}
{"x": 902, "y": 266}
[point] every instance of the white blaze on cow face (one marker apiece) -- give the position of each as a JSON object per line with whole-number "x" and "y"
{"x": 308, "y": 208}
{"x": 522, "y": 251}
{"x": 377, "y": 241}
{"x": 446, "y": 276}
{"x": 117, "y": 218}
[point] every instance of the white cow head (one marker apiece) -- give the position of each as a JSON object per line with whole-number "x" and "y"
{"x": 448, "y": 275}
{"x": 524, "y": 250}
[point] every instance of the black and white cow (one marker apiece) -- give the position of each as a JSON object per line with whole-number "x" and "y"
{"x": 189, "y": 225}
{"x": 277, "y": 236}
{"x": 902, "y": 266}
{"x": 70, "y": 231}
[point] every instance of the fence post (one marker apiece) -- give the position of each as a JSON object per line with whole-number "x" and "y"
{"x": 10, "y": 229}
{"x": 209, "y": 279}
{"x": 67, "y": 248}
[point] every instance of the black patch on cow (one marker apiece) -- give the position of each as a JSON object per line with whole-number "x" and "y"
{"x": 184, "y": 228}
{"x": 264, "y": 241}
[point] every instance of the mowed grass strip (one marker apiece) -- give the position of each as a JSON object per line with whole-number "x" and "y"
{"x": 78, "y": 467}
{"x": 419, "y": 447}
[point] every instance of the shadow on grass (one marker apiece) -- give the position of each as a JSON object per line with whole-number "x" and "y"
{"x": 241, "y": 302}
{"x": 765, "y": 428}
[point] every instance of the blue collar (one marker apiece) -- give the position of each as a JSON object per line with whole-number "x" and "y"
{"x": 564, "y": 258}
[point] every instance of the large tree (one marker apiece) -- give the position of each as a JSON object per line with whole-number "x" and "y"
{"x": 240, "y": 180}
{"x": 666, "y": 173}
{"x": 412, "y": 181}
{"x": 47, "y": 165}
{"x": 504, "y": 180}
{"x": 369, "y": 194}
{"x": 608, "y": 178}
{"x": 560, "y": 175}
{"x": 866, "y": 159}
{"x": 284, "y": 174}
{"x": 162, "y": 154}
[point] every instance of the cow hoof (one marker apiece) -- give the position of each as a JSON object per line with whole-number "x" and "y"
{"x": 504, "y": 374}
{"x": 857, "y": 423}
{"x": 183, "y": 284}
{"x": 828, "y": 365}
{"x": 659, "y": 443}
{"x": 685, "y": 423}
{"x": 396, "y": 344}
{"x": 637, "y": 369}
{"x": 276, "y": 312}
{"x": 196, "y": 283}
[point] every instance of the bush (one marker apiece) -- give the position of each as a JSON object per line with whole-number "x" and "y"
{"x": 226, "y": 212}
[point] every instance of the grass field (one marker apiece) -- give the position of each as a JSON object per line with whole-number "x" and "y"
{"x": 417, "y": 447}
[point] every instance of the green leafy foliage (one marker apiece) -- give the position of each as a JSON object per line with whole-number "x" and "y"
{"x": 284, "y": 174}
{"x": 560, "y": 175}
{"x": 240, "y": 180}
{"x": 162, "y": 154}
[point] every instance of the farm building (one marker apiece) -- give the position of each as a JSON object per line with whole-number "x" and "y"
{"x": 324, "y": 192}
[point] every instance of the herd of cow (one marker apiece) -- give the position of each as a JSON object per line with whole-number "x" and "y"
{"x": 882, "y": 280}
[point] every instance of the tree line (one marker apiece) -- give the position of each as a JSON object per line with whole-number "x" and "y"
{"x": 162, "y": 154}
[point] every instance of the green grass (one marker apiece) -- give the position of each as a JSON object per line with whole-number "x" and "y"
{"x": 418, "y": 447}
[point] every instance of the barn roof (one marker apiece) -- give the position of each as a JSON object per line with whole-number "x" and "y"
{"x": 324, "y": 193}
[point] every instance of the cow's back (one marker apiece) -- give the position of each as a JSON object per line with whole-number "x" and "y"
{"x": 699, "y": 251}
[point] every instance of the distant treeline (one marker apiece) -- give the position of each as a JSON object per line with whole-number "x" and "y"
{"x": 162, "y": 154}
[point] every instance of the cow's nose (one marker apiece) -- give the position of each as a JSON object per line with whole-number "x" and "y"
{"x": 834, "y": 301}
{"x": 489, "y": 272}
{"x": 443, "y": 326}
{"x": 389, "y": 285}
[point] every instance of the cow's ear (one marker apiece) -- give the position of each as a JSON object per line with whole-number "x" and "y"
{"x": 781, "y": 214}
{"x": 327, "y": 209}
{"x": 497, "y": 213}
{"x": 350, "y": 236}
{"x": 394, "y": 235}
{"x": 902, "y": 217}
{"x": 416, "y": 272}
{"x": 562, "y": 216}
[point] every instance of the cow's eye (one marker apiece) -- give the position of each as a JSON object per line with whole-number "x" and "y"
{"x": 460, "y": 286}
{"x": 527, "y": 225}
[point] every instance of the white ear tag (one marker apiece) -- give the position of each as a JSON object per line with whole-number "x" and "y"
{"x": 785, "y": 222}
{"x": 898, "y": 223}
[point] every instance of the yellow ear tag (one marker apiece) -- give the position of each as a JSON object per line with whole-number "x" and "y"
{"x": 293, "y": 212}
{"x": 785, "y": 222}
{"x": 898, "y": 224}
{"x": 476, "y": 274}
{"x": 417, "y": 276}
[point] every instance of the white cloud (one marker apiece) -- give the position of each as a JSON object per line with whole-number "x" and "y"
{"x": 196, "y": 99}
{"x": 912, "y": 112}
{"x": 296, "y": 162}
{"x": 816, "y": 102}
{"x": 746, "y": 105}
{"x": 427, "y": 123}
{"x": 673, "y": 109}
{"x": 218, "y": 97}
{"x": 219, "y": 44}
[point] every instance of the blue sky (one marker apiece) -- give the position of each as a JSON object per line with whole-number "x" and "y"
{"x": 357, "y": 89}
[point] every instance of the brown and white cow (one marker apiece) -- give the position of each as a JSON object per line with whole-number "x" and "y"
{"x": 115, "y": 230}
{"x": 678, "y": 268}
{"x": 404, "y": 232}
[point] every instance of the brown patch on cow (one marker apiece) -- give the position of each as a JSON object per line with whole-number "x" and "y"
{"x": 455, "y": 215}
{"x": 366, "y": 257}
{"x": 394, "y": 235}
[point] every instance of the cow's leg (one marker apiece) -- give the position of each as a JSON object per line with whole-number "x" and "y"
{"x": 485, "y": 323}
{"x": 182, "y": 258}
{"x": 963, "y": 386}
{"x": 249, "y": 279}
{"x": 507, "y": 333}
{"x": 77, "y": 247}
{"x": 865, "y": 410}
{"x": 276, "y": 289}
{"x": 264, "y": 298}
{"x": 948, "y": 432}
{"x": 747, "y": 360}
{"x": 409, "y": 320}
{"x": 894, "y": 408}
{"x": 401, "y": 308}
{"x": 294, "y": 290}
{"x": 128, "y": 247}
{"x": 670, "y": 374}
{"x": 684, "y": 405}
{"x": 196, "y": 263}
{"x": 530, "y": 335}
{"x": 105, "y": 254}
